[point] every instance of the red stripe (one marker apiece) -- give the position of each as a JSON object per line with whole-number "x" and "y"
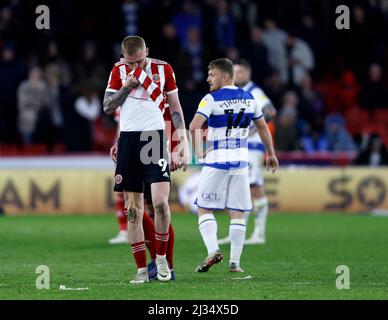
{"x": 154, "y": 69}
{"x": 155, "y": 94}
{"x": 137, "y": 72}
{"x": 147, "y": 82}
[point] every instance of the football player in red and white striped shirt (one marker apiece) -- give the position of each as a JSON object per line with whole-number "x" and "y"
{"x": 138, "y": 84}
{"x": 149, "y": 214}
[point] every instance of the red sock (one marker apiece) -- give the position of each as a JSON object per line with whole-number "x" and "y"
{"x": 121, "y": 213}
{"x": 149, "y": 234}
{"x": 139, "y": 253}
{"x": 170, "y": 246}
{"x": 161, "y": 241}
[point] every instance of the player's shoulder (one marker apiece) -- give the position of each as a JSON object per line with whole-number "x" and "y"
{"x": 231, "y": 93}
{"x": 158, "y": 62}
{"x": 119, "y": 63}
{"x": 208, "y": 97}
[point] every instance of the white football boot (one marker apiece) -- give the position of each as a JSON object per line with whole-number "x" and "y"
{"x": 122, "y": 237}
{"x": 164, "y": 273}
{"x": 141, "y": 277}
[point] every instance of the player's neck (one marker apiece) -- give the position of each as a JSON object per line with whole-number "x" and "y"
{"x": 228, "y": 84}
{"x": 147, "y": 61}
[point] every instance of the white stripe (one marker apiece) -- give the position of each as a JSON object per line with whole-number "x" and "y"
{"x": 152, "y": 87}
{"x": 142, "y": 76}
{"x": 110, "y": 90}
{"x": 139, "y": 247}
{"x": 172, "y": 91}
{"x": 162, "y": 78}
{"x": 123, "y": 72}
{"x": 159, "y": 100}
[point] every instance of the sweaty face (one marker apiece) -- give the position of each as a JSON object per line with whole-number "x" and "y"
{"x": 215, "y": 79}
{"x": 241, "y": 75}
{"x": 139, "y": 59}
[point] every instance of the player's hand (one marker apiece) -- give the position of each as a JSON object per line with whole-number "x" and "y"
{"x": 131, "y": 81}
{"x": 184, "y": 155}
{"x": 173, "y": 166}
{"x": 113, "y": 153}
{"x": 272, "y": 163}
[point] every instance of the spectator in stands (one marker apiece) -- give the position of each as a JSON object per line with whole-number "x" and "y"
{"x": 52, "y": 59}
{"x": 224, "y": 27}
{"x": 286, "y": 134}
{"x": 130, "y": 9}
{"x": 232, "y": 53}
{"x": 375, "y": 154}
{"x": 275, "y": 88}
{"x": 90, "y": 71}
{"x": 245, "y": 15}
{"x": 275, "y": 39}
{"x": 256, "y": 53}
{"x": 311, "y": 106}
{"x": 188, "y": 17}
{"x": 359, "y": 39}
{"x": 33, "y": 101}
{"x": 336, "y": 134}
{"x": 168, "y": 44}
{"x": 88, "y": 108}
{"x": 53, "y": 76}
{"x": 314, "y": 37}
{"x": 12, "y": 72}
{"x": 312, "y": 140}
{"x": 374, "y": 93}
{"x": 300, "y": 59}
{"x": 191, "y": 63}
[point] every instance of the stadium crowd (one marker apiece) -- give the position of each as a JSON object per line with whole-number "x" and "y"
{"x": 329, "y": 86}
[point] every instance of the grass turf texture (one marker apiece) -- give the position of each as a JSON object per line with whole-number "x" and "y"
{"x": 298, "y": 261}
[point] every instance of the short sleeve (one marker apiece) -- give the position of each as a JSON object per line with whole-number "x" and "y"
{"x": 114, "y": 82}
{"x": 170, "y": 84}
{"x": 260, "y": 98}
{"x": 257, "y": 113}
{"x": 205, "y": 107}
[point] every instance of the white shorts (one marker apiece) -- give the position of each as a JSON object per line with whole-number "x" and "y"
{"x": 224, "y": 189}
{"x": 256, "y": 167}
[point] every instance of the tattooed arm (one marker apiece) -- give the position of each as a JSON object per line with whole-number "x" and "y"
{"x": 113, "y": 100}
{"x": 179, "y": 123}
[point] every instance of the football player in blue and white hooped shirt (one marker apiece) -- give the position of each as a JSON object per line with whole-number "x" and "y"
{"x": 256, "y": 150}
{"x": 224, "y": 181}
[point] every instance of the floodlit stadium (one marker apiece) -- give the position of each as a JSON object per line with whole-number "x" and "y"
{"x": 307, "y": 79}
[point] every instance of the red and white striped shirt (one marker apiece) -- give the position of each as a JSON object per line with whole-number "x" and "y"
{"x": 139, "y": 112}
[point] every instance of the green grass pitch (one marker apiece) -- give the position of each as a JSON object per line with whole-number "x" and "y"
{"x": 298, "y": 261}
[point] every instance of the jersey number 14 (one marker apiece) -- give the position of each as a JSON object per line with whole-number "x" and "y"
{"x": 237, "y": 123}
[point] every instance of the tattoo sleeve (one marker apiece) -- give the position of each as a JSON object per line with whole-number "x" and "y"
{"x": 113, "y": 100}
{"x": 177, "y": 119}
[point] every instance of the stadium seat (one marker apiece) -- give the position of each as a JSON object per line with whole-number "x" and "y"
{"x": 356, "y": 119}
{"x": 381, "y": 117}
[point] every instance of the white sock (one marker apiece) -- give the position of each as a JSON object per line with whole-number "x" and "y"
{"x": 261, "y": 208}
{"x": 237, "y": 230}
{"x": 207, "y": 225}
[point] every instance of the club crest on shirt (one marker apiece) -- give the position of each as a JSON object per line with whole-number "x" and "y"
{"x": 155, "y": 78}
{"x": 118, "y": 178}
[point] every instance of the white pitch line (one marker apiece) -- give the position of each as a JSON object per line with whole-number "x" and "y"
{"x": 242, "y": 278}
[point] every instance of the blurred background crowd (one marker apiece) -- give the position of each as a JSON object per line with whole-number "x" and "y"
{"x": 329, "y": 86}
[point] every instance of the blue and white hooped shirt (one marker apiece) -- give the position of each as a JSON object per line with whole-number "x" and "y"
{"x": 229, "y": 111}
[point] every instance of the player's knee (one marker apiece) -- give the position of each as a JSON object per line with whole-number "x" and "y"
{"x": 161, "y": 207}
{"x": 134, "y": 214}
